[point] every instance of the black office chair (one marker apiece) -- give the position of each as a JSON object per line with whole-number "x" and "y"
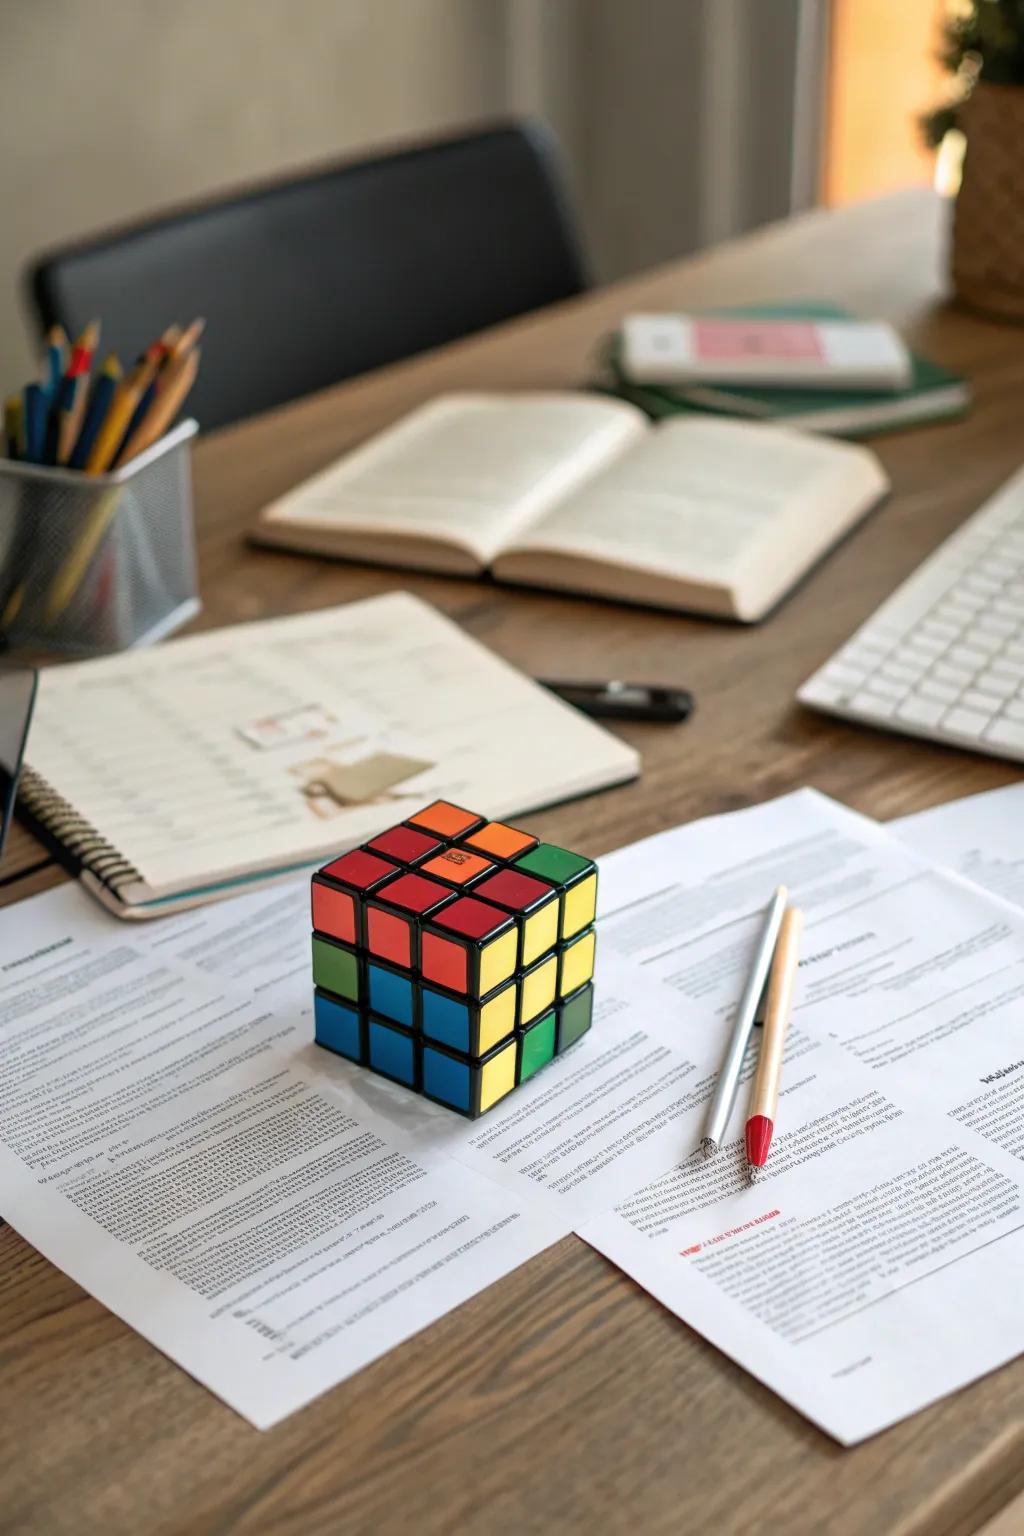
{"x": 309, "y": 281}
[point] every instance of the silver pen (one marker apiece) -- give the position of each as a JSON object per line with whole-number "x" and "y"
{"x": 724, "y": 1096}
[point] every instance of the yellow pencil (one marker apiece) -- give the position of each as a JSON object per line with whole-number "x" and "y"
{"x": 174, "y": 386}
{"x": 122, "y": 408}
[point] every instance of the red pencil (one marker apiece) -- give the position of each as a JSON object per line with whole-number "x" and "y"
{"x": 764, "y": 1100}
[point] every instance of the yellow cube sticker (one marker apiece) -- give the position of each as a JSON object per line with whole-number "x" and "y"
{"x": 498, "y": 1076}
{"x": 537, "y": 990}
{"x": 540, "y": 932}
{"x": 497, "y": 961}
{"x": 579, "y": 907}
{"x": 577, "y": 963}
{"x": 497, "y": 1019}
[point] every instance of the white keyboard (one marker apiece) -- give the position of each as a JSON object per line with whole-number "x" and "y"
{"x": 944, "y": 656}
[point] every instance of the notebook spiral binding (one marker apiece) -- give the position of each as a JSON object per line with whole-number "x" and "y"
{"x": 70, "y": 833}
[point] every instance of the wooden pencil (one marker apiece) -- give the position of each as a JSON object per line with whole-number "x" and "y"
{"x": 126, "y": 397}
{"x": 174, "y": 386}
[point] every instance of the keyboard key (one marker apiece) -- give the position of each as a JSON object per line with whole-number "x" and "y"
{"x": 845, "y": 678}
{"x": 1007, "y": 733}
{"x": 1014, "y": 710}
{"x": 885, "y": 688}
{"x": 994, "y": 682}
{"x": 959, "y": 677}
{"x": 928, "y": 688}
{"x": 918, "y": 711}
{"x": 924, "y": 643}
{"x": 966, "y": 656}
{"x": 873, "y": 706}
{"x": 965, "y": 722}
{"x": 982, "y": 702}
{"x": 934, "y": 629}
{"x": 995, "y": 624}
{"x": 1002, "y": 666}
{"x": 903, "y": 671}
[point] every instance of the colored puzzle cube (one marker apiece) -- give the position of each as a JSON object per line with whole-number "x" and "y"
{"x": 340, "y": 889}
{"x": 454, "y": 955}
{"x": 394, "y": 913}
{"x": 573, "y": 877}
{"x": 470, "y": 947}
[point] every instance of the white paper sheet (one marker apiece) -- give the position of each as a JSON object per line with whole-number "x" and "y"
{"x": 875, "y": 1265}
{"x": 981, "y": 837}
{"x": 273, "y": 1218}
{"x": 158, "y": 1144}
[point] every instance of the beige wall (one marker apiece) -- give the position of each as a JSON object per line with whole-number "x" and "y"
{"x": 109, "y": 108}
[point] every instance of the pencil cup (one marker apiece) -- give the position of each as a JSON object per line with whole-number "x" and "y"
{"x": 93, "y": 563}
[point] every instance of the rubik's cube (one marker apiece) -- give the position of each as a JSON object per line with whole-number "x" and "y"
{"x": 454, "y": 955}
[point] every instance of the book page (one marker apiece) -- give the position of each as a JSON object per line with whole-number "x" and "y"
{"x": 279, "y": 743}
{"x": 699, "y": 499}
{"x": 468, "y": 470}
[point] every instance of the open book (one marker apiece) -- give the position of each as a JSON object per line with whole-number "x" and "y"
{"x": 583, "y": 494}
{"x": 172, "y": 776}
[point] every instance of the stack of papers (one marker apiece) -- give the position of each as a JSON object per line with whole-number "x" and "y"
{"x": 273, "y": 1218}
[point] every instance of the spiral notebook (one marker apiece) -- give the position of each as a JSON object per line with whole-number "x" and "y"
{"x": 174, "y": 776}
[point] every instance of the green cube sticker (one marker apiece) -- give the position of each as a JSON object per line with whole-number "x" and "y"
{"x": 555, "y": 864}
{"x": 336, "y": 969}
{"x": 537, "y": 1046}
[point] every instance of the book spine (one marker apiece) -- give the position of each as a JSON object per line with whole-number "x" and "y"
{"x": 69, "y": 836}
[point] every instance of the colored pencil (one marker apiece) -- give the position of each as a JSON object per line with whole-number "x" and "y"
{"x": 727, "y": 1086}
{"x": 14, "y": 426}
{"x": 174, "y": 386}
{"x": 126, "y": 397}
{"x": 89, "y": 340}
{"x": 764, "y": 1100}
{"x": 188, "y": 339}
{"x": 34, "y": 397}
{"x": 100, "y": 400}
{"x": 56, "y": 359}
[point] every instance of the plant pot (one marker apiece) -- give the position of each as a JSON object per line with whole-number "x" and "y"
{"x": 988, "y": 226}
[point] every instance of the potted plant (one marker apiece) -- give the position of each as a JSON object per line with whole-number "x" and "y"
{"x": 983, "y": 46}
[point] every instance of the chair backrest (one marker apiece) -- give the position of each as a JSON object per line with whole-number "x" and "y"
{"x": 312, "y": 280}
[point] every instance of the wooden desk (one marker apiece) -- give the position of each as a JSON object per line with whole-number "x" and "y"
{"x": 564, "y": 1399}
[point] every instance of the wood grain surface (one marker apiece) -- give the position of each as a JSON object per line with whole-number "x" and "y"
{"x": 563, "y": 1399}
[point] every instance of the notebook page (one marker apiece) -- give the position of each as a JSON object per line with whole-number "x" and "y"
{"x": 471, "y": 470}
{"x": 700, "y": 500}
{"x": 207, "y": 758}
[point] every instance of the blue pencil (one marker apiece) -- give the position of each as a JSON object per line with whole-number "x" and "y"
{"x": 35, "y": 423}
{"x": 56, "y": 361}
{"x": 96, "y": 411}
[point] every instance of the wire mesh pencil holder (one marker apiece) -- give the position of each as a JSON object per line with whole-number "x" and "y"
{"x": 93, "y": 563}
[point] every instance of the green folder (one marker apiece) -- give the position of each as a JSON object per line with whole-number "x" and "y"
{"x": 936, "y": 393}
